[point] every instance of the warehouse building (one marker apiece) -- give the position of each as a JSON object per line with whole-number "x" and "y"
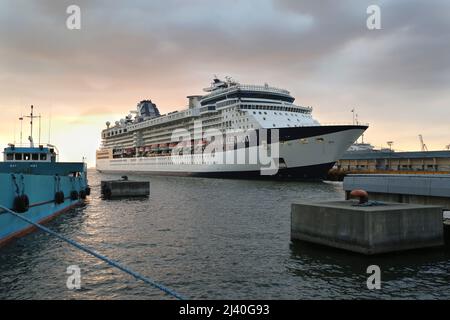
{"x": 382, "y": 161}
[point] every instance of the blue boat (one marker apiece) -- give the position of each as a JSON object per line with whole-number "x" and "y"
{"x": 34, "y": 184}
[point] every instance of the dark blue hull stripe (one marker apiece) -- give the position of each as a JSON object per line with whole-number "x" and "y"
{"x": 287, "y": 134}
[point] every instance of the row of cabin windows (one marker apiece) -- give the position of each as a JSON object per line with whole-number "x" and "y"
{"x": 26, "y": 156}
{"x": 112, "y": 133}
{"x": 294, "y": 115}
{"x": 274, "y": 108}
{"x": 174, "y": 115}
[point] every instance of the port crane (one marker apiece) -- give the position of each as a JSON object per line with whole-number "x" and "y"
{"x": 423, "y": 146}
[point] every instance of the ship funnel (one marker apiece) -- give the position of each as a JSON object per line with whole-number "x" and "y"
{"x": 194, "y": 101}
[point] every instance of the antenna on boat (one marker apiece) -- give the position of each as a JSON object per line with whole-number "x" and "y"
{"x": 31, "y": 125}
{"x": 49, "y": 125}
{"x": 39, "y": 129}
{"x": 21, "y": 129}
{"x": 15, "y": 132}
{"x": 32, "y": 117}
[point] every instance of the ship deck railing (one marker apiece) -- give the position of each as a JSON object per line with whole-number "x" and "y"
{"x": 27, "y": 145}
{"x": 250, "y": 88}
{"x": 343, "y": 124}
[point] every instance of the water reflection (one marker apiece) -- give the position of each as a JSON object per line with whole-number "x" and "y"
{"x": 207, "y": 238}
{"x": 423, "y": 268}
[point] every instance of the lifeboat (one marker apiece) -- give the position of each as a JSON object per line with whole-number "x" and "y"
{"x": 187, "y": 143}
{"x": 117, "y": 152}
{"x": 164, "y": 147}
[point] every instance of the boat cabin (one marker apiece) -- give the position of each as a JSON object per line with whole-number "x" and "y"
{"x": 21, "y": 154}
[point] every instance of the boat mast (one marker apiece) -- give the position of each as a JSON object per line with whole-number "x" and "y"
{"x": 21, "y": 129}
{"x": 31, "y": 116}
{"x": 39, "y": 129}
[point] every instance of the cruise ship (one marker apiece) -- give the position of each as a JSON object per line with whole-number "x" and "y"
{"x": 233, "y": 130}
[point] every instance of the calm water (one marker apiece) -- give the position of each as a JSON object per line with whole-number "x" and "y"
{"x": 208, "y": 239}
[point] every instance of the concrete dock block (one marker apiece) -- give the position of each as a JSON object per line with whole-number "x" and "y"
{"x": 447, "y": 227}
{"x": 369, "y": 229}
{"x": 124, "y": 189}
{"x": 419, "y": 189}
{"x": 373, "y": 185}
{"x": 441, "y": 187}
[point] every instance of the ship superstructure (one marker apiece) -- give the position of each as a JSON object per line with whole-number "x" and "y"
{"x": 144, "y": 140}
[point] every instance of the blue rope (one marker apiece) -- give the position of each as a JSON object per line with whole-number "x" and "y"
{"x": 97, "y": 255}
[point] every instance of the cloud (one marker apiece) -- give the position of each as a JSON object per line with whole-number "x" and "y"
{"x": 165, "y": 50}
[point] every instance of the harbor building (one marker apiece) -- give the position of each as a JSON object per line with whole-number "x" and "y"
{"x": 390, "y": 161}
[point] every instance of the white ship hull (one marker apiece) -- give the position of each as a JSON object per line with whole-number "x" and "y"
{"x": 306, "y": 152}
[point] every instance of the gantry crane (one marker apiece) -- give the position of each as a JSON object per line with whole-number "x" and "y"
{"x": 423, "y": 146}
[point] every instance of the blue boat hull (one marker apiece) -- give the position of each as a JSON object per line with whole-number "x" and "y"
{"x": 40, "y": 190}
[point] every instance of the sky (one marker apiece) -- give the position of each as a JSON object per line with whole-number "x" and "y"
{"x": 396, "y": 78}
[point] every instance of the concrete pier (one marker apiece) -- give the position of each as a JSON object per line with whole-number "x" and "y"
{"x": 416, "y": 188}
{"x": 124, "y": 189}
{"x": 447, "y": 231}
{"x": 367, "y": 229}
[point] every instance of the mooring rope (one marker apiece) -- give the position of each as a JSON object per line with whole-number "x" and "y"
{"x": 97, "y": 255}
{"x": 14, "y": 179}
